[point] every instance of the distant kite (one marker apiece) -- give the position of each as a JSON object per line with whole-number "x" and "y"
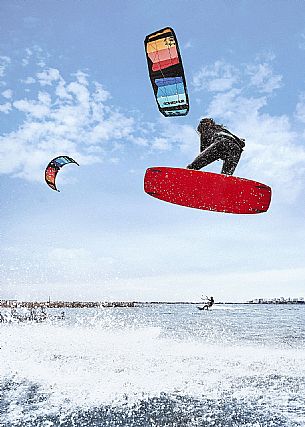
{"x": 53, "y": 167}
{"x": 166, "y": 72}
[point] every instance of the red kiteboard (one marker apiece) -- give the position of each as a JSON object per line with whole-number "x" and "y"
{"x": 207, "y": 190}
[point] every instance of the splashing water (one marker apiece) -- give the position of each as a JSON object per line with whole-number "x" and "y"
{"x": 155, "y": 366}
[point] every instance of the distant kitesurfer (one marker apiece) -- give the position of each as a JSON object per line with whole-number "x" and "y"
{"x": 209, "y": 303}
{"x": 217, "y": 142}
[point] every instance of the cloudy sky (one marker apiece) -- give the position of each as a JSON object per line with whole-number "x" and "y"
{"x": 74, "y": 81}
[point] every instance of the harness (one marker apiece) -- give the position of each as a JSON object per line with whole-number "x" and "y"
{"x": 227, "y": 133}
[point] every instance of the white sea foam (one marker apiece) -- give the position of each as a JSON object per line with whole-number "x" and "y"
{"x": 89, "y": 365}
{"x": 225, "y": 307}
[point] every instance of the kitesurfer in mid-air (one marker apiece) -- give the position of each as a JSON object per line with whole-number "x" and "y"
{"x": 217, "y": 142}
{"x": 210, "y": 302}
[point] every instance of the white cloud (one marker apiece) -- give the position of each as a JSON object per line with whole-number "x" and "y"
{"x": 28, "y": 80}
{"x": 216, "y": 78}
{"x": 5, "y": 108}
{"x": 221, "y": 77}
{"x": 262, "y": 77}
{"x": 140, "y": 141}
{"x": 8, "y": 93}
{"x": 81, "y": 77}
{"x": 100, "y": 94}
{"x": 4, "y": 62}
{"x": 71, "y": 117}
{"x": 233, "y": 104}
{"x": 300, "y": 108}
{"x": 47, "y": 77}
{"x": 117, "y": 126}
{"x": 172, "y": 135}
{"x": 162, "y": 144}
{"x": 37, "y": 109}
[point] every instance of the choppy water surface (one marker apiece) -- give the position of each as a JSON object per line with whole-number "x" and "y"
{"x": 165, "y": 365}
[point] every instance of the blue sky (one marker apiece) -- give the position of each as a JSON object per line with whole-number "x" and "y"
{"x": 74, "y": 81}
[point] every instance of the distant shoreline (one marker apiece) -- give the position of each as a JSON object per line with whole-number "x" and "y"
{"x": 128, "y": 304}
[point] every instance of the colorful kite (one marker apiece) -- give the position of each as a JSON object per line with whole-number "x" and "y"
{"x": 53, "y": 168}
{"x": 166, "y": 72}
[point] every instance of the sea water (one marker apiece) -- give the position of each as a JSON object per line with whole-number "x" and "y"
{"x": 159, "y": 365}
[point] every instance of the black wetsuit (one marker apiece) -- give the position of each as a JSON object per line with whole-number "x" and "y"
{"x": 209, "y": 304}
{"x": 218, "y": 143}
